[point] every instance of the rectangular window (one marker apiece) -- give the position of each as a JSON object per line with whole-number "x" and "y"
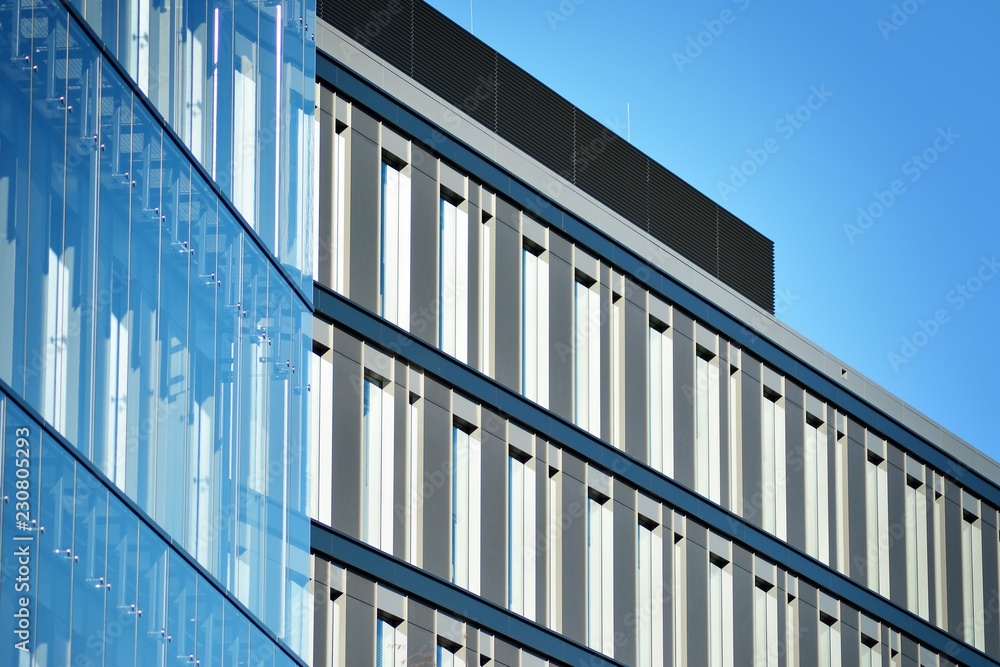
{"x": 870, "y": 655}
{"x": 773, "y": 465}
{"x": 817, "y": 496}
{"x": 448, "y": 657}
{"x": 600, "y": 561}
{"x": 390, "y": 644}
{"x": 940, "y": 569}
{"x": 735, "y": 443}
{"x": 829, "y": 641}
{"x": 617, "y": 372}
{"x": 649, "y": 593}
{"x": 877, "y": 522}
{"x": 414, "y": 475}
{"x": 535, "y": 326}
{"x": 453, "y": 273}
{"x": 917, "y": 583}
{"x": 840, "y": 498}
{"x": 765, "y": 625}
{"x": 792, "y": 632}
{"x": 521, "y": 536}
{"x": 553, "y": 549}
{"x": 679, "y": 596}
{"x": 466, "y": 464}
{"x": 486, "y": 297}
{"x": 973, "y": 621}
{"x": 661, "y": 399}
{"x": 587, "y": 356}
{"x": 708, "y": 449}
{"x": 720, "y": 613}
{"x": 339, "y": 213}
{"x": 394, "y": 244}
{"x": 376, "y": 501}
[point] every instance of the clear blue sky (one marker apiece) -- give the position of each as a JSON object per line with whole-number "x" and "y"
{"x": 710, "y": 83}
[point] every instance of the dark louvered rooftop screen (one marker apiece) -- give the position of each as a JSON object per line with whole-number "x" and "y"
{"x": 436, "y": 52}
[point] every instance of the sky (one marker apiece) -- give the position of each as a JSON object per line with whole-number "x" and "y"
{"x": 860, "y": 136}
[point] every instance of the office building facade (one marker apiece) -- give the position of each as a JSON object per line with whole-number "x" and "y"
{"x": 556, "y": 422}
{"x": 154, "y": 347}
{"x": 329, "y": 336}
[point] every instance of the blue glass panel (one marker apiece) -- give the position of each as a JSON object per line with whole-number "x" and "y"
{"x": 90, "y": 583}
{"x": 237, "y": 637}
{"x": 123, "y": 568}
{"x": 113, "y": 448}
{"x": 177, "y": 251}
{"x": 210, "y": 649}
{"x": 152, "y": 599}
{"x": 182, "y": 612}
{"x": 44, "y": 316}
{"x": 56, "y": 553}
{"x": 261, "y": 649}
{"x": 143, "y": 180}
{"x": 79, "y": 291}
{"x": 15, "y": 106}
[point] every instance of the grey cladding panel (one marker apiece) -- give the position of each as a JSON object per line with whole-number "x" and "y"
{"x": 347, "y": 382}
{"x": 857, "y": 459}
{"x": 684, "y": 392}
{"x": 625, "y": 535}
{"x": 636, "y": 380}
{"x": 437, "y": 503}
{"x": 360, "y": 630}
{"x": 752, "y": 480}
{"x": 795, "y": 468}
{"x": 508, "y": 307}
{"x": 494, "y": 579}
{"x": 424, "y": 253}
{"x": 561, "y": 323}
{"x": 364, "y": 220}
{"x": 574, "y": 559}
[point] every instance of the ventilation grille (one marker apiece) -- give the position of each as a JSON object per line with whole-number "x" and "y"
{"x": 436, "y": 52}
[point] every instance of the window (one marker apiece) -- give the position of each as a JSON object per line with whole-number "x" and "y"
{"x": 773, "y": 464}
{"x": 817, "y": 498}
{"x": 617, "y": 384}
{"x": 587, "y": 356}
{"x": 661, "y": 399}
{"x": 708, "y": 452}
{"x": 720, "y": 613}
{"x": 829, "y": 641}
{"x": 871, "y": 655}
{"x": 535, "y": 326}
{"x": 649, "y": 596}
{"x": 973, "y": 621}
{"x": 917, "y": 583}
{"x": 679, "y": 590}
{"x": 376, "y": 501}
{"x": 877, "y": 522}
{"x": 553, "y": 549}
{"x": 394, "y": 274}
{"x": 765, "y": 625}
{"x": 600, "y": 562}
{"x": 414, "y": 475}
{"x": 486, "y": 297}
{"x": 465, "y": 508}
{"x": 940, "y": 571}
{"x": 448, "y": 656}
{"x": 390, "y": 643}
{"x": 521, "y": 536}
{"x": 792, "y": 632}
{"x": 339, "y": 212}
{"x": 840, "y": 498}
{"x": 453, "y": 270}
{"x": 735, "y": 443}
